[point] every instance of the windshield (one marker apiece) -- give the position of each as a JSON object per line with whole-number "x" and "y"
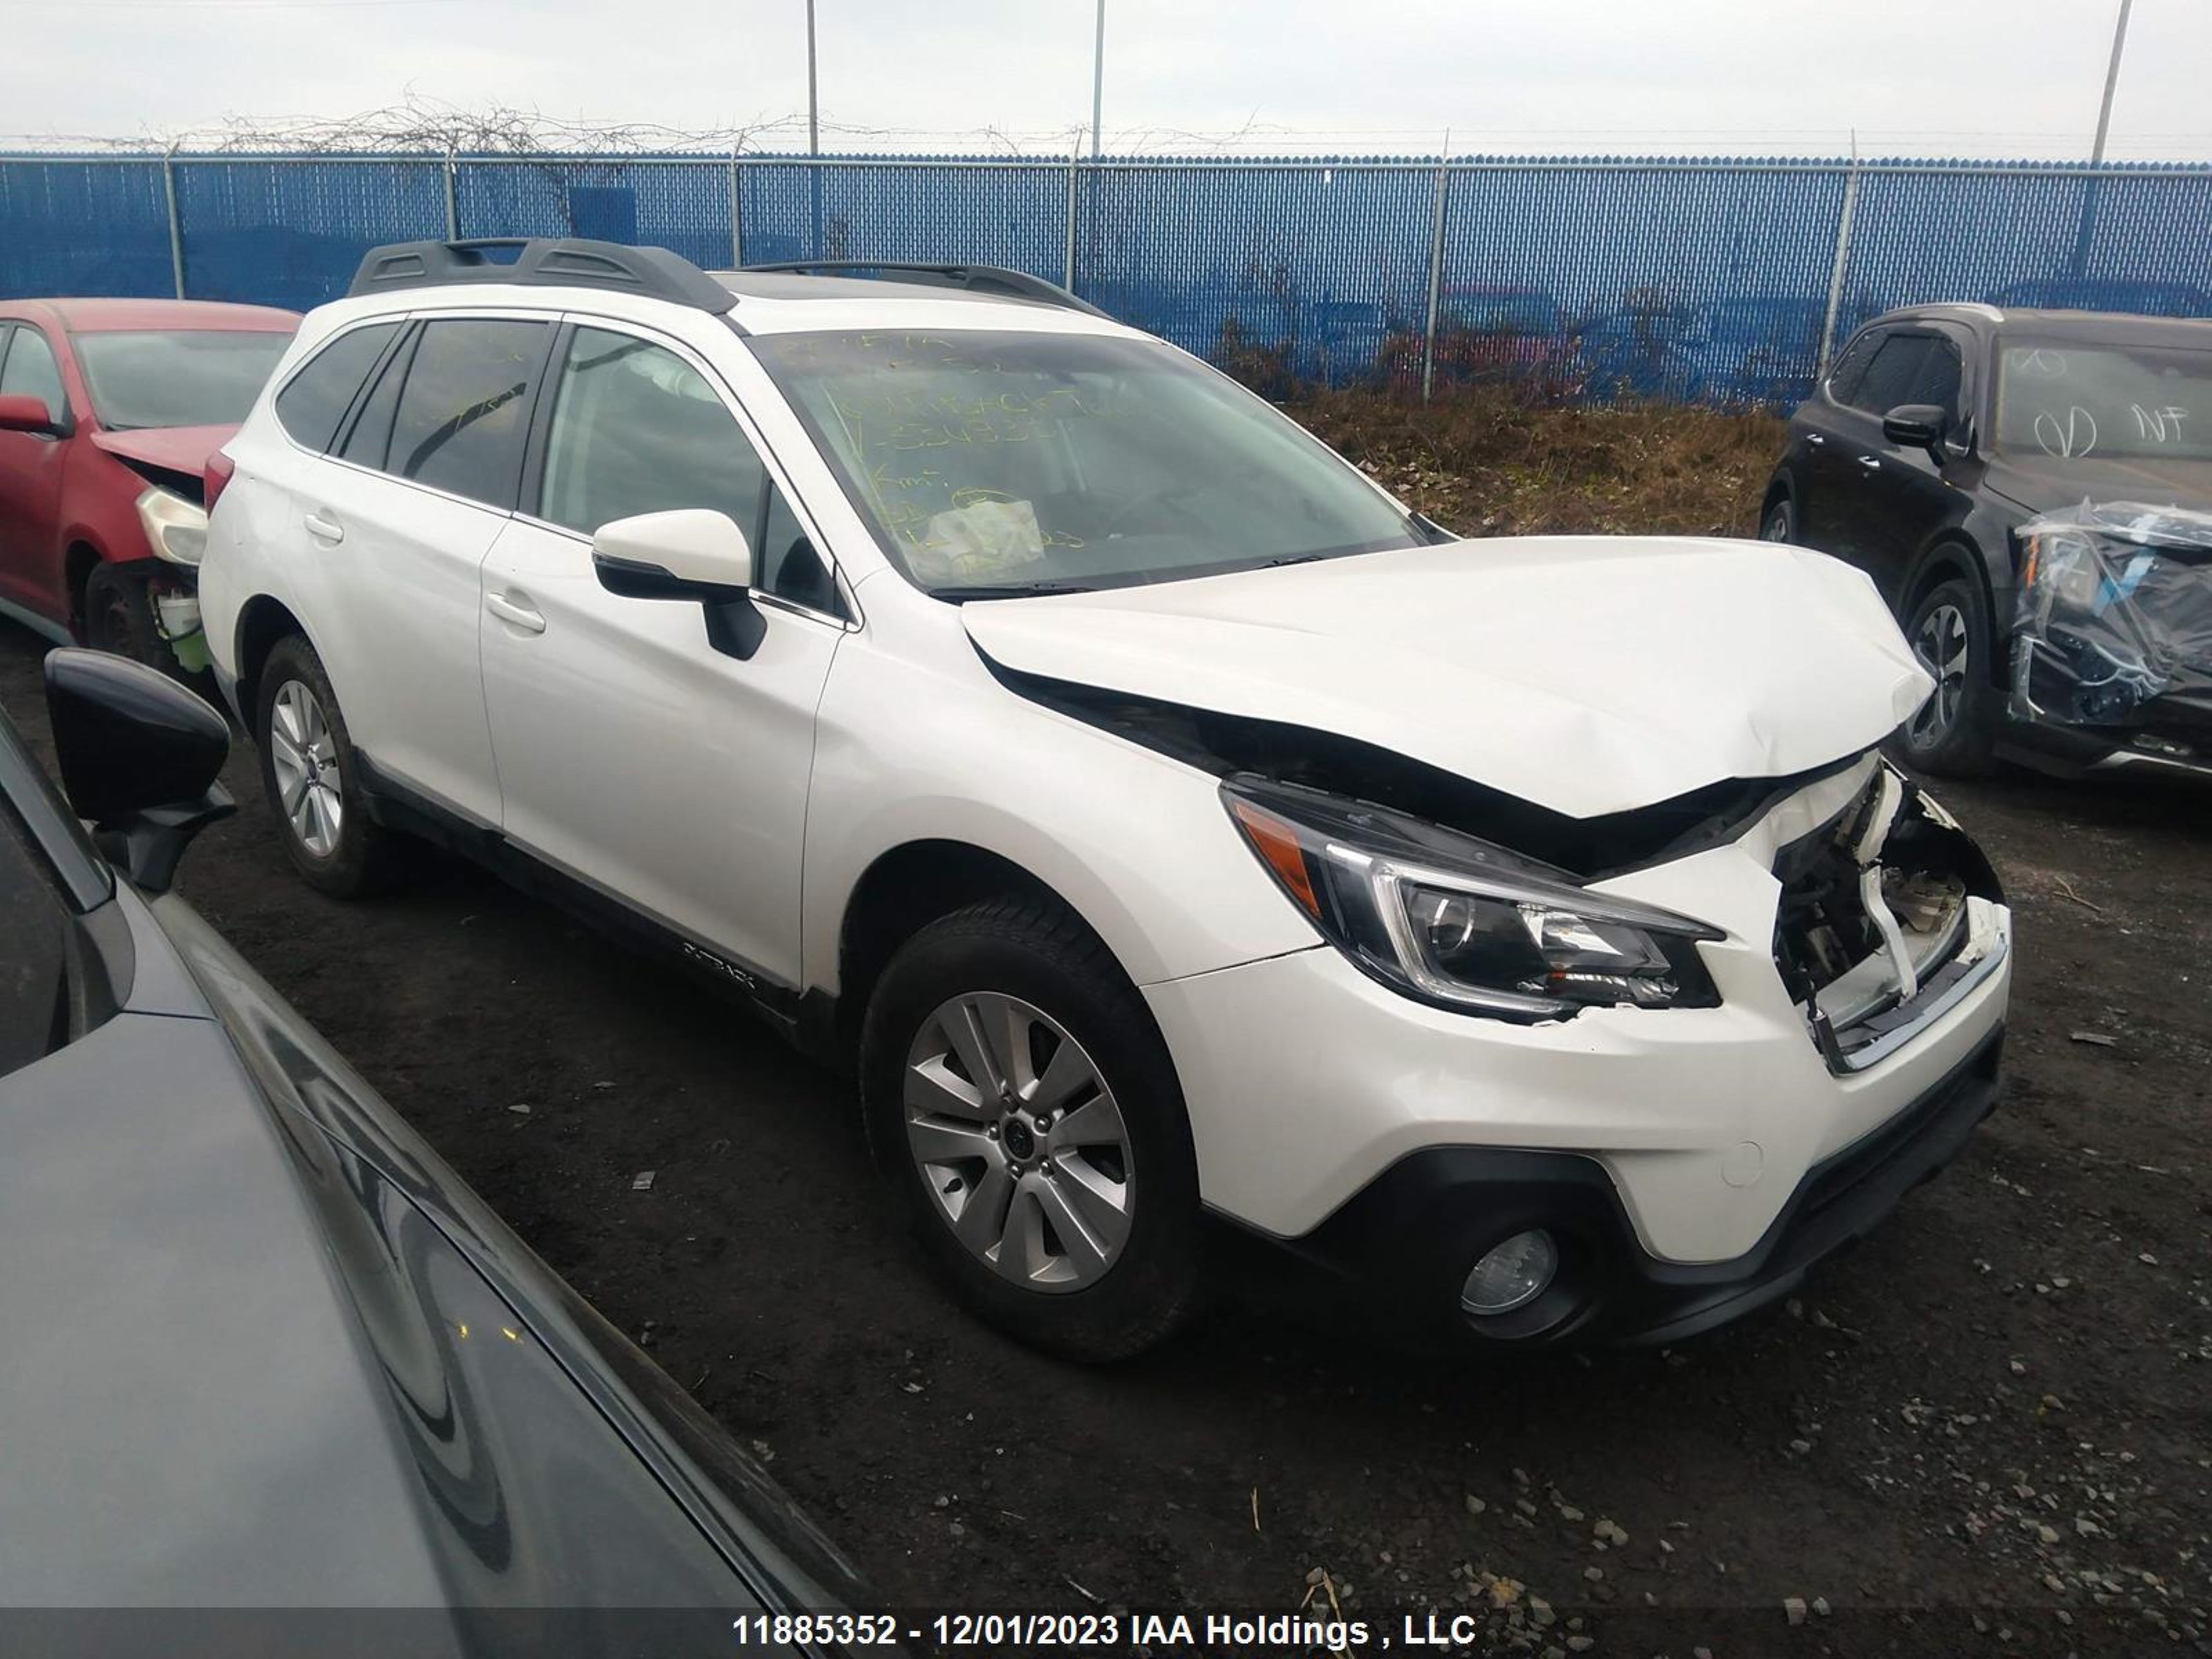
{"x": 189, "y": 377}
{"x": 2075, "y": 402}
{"x": 996, "y": 462}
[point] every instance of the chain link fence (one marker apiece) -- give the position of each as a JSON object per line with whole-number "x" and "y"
{"x": 1723, "y": 281}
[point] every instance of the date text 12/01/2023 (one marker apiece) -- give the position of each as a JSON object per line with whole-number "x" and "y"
{"x": 1153, "y": 1631}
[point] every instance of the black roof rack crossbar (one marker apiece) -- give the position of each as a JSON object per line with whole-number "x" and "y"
{"x": 541, "y": 262}
{"x": 981, "y": 279}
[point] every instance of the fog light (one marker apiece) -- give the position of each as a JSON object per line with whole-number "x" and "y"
{"x": 1512, "y": 1276}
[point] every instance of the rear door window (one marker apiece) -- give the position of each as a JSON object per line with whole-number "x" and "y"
{"x": 315, "y": 399}
{"x": 463, "y": 413}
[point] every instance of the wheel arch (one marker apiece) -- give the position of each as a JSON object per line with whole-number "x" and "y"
{"x": 1955, "y": 555}
{"x": 263, "y": 622}
{"x": 903, "y": 890}
{"x": 79, "y": 560}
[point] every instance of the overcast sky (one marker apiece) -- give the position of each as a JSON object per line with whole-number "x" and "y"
{"x": 1946, "y": 77}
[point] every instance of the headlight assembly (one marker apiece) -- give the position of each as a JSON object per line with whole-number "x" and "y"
{"x": 176, "y": 529}
{"x": 1451, "y": 920}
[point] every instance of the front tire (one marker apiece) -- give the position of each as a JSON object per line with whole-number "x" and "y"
{"x": 1954, "y": 733}
{"x": 1025, "y": 1113}
{"x": 1780, "y": 523}
{"x": 118, "y": 618}
{"x": 312, "y": 776}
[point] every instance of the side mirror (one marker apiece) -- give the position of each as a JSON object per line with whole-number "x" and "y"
{"x": 139, "y": 758}
{"x": 692, "y": 553}
{"x": 20, "y": 412}
{"x": 1917, "y": 426}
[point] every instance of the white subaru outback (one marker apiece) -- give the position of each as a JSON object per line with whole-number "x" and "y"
{"x": 1189, "y": 845}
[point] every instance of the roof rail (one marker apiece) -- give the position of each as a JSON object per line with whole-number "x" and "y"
{"x": 981, "y": 279}
{"x": 541, "y": 262}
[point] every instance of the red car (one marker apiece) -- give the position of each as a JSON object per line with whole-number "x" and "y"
{"x": 109, "y": 410}
{"x": 1487, "y": 332}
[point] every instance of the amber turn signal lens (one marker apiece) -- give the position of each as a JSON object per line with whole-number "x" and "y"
{"x": 1277, "y": 843}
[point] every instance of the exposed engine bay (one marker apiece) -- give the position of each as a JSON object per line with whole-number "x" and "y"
{"x": 1886, "y": 910}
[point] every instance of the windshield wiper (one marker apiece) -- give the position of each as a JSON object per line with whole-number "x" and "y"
{"x": 1008, "y": 591}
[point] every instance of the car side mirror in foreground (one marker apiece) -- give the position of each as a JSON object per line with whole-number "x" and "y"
{"x": 139, "y": 758}
{"x": 20, "y": 412}
{"x": 1917, "y": 426}
{"x": 691, "y": 554}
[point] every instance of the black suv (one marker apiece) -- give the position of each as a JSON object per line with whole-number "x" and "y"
{"x": 1942, "y": 429}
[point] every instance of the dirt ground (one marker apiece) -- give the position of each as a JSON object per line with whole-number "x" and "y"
{"x": 1985, "y": 1431}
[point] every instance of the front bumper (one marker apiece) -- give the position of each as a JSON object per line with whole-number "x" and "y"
{"x": 1305, "y": 1080}
{"x": 1394, "y": 1258}
{"x": 1681, "y": 1154}
{"x": 2076, "y": 751}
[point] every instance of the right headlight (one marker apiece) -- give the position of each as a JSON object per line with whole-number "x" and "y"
{"x": 176, "y": 529}
{"x": 1454, "y": 920}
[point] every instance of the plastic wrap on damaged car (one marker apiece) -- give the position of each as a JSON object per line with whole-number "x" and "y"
{"x": 2114, "y": 624}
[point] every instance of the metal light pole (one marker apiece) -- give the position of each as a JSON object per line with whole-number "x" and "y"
{"x": 1098, "y": 79}
{"x": 2112, "y": 80}
{"x": 813, "y": 100}
{"x": 813, "y": 134}
{"x": 2086, "y": 232}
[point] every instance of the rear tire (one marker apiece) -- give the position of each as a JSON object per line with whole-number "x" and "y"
{"x": 313, "y": 778}
{"x": 1062, "y": 1207}
{"x": 1953, "y": 734}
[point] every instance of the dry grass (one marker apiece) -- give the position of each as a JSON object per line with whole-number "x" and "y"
{"x": 1482, "y": 462}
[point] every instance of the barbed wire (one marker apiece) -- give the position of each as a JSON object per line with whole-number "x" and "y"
{"x": 418, "y": 124}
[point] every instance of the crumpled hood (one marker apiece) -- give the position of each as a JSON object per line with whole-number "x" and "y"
{"x": 1584, "y": 674}
{"x": 179, "y": 448}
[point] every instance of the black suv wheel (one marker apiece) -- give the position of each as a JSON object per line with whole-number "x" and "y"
{"x": 1780, "y": 523}
{"x": 1953, "y": 734}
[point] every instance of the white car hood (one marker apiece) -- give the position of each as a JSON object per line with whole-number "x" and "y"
{"x": 1584, "y": 674}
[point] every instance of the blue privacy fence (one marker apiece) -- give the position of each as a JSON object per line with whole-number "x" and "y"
{"x": 1720, "y": 280}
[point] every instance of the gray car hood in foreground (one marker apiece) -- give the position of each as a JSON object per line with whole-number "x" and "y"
{"x": 264, "y": 1351}
{"x": 1585, "y": 674}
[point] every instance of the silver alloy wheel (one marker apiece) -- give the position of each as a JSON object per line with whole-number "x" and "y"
{"x": 305, "y": 757}
{"x": 1940, "y": 643}
{"x": 1019, "y": 1141}
{"x": 1777, "y": 526}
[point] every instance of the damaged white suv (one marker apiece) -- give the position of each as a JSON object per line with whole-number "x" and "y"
{"x": 1521, "y": 939}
